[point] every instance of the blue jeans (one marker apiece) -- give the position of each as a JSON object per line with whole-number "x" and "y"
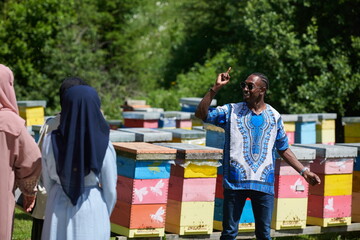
{"x": 234, "y": 201}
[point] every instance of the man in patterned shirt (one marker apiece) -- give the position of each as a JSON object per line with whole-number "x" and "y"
{"x": 253, "y": 132}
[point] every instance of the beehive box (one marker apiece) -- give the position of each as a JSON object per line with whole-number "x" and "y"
{"x": 351, "y": 129}
{"x": 188, "y": 218}
{"x": 148, "y": 135}
{"x": 192, "y": 189}
{"x": 247, "y": 220}
{"x": 139, "y": 216}
{"x": 187, "y": 136}
{"x": 215, "y": 136}
{"x": 182, "y": 119}
{"x": 305, "y": 129}
{"x": 289, "y": 126}
{"x": 325, "y": 128}
{"x": 289, "y": 213}
{"x": 329, "y": 210}
{"x": 114, "y": 124}
{"x": 32, "y": 111}
{"x": 142, "y": 191}
{"x": 153, "y": 160}
{"x": 195, "y": 122}
{"x": 190, "y": 104}
{"x": 141, "y": 119}
{"x": 137, "y": 232}
{"x": 194, "y": 161}
{"x": 332, "y": 159}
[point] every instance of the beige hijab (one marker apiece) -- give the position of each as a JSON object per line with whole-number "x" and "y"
{"x": 9, "y": 119}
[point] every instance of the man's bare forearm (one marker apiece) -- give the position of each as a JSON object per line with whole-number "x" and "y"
{"x": 202, "y": 109}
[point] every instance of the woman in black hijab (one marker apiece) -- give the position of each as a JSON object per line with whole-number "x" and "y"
{"x": 79, "y": 170}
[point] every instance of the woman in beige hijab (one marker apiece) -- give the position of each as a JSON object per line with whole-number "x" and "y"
{"x": 20, "y": 158}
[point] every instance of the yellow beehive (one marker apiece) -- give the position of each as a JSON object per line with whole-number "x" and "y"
{"x": 189, "y": 218}
{"x": 325, "y": 136}
{"x": 132, "y": 233}
{"x": 328, "y": 222}
{"x": 289, "y": 126}
{"x": 333, "y": 185}
{"x": 289, "y": 213}
{"x": 351, "y": 129}
{"x": 32, "y": 115}
{"x": 198, "y": 141}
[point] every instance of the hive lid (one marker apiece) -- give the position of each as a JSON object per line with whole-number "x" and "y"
{"x": 141, "y": 115}
{"x": 331, "y": 151}
{"x": 148, "y": 134}
{"x": 144, "y": 151}
{"x": 302, "y": 153}
{"x": 356, "y": 145}
{"x": 121, "y": 136}
{"x": 32, "y": 103}
{"x": 194, "y": 152}
{"x": 194, "y": 101}
{"x": 185, "y": 133}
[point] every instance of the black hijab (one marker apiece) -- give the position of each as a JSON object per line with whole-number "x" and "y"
{"x": 81, "y": 140}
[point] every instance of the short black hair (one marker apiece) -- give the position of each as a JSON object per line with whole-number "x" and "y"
{"x": 263, "y": 78}
{"x": 68, "y": 83}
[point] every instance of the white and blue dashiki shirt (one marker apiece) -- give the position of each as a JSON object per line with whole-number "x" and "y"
{"x": 250, "y": 144}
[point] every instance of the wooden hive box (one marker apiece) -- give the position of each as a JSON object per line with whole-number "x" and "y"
{"x": 189, "y": 218}
{"x": 351, "y": 129}
{"x": 137, "y": 232}
{"x": 194, "y": 161}
{"x": 195, "y": 122}
{"x": 187, "y": 136}
{"x": 139, "y": 216}
{"x": 247, "y": 220}
{"x": 333, "y": 185}
{"x": 289, "y": 213}
{"x": 332, "y": 159}
{"x": 289, "y": 126}
{"x": 290, "y": 186}
{"x": 141, "y": 119}
{"x": 305, "y": 129}
{"x": 215, "y": 136}
{"x": 329, "y": 210}
{"x": 142, "y": 191}
{"x": 148, "y": 135}
{"x": 143, "y": 160}
{"x": 325, "y": 128}
{"x": 192, "y": 189}
{"x": 32, "y": 111}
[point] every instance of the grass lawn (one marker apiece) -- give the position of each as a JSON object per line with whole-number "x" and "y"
{"x": 23, "y": 223}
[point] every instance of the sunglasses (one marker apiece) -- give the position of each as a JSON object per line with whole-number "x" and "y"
{"x": 248, "y": 85}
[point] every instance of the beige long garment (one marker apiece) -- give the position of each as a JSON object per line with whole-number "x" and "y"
{"x": 20, "y": 158}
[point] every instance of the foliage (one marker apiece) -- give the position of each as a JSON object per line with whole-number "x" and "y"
{"x": 162, "y": 50}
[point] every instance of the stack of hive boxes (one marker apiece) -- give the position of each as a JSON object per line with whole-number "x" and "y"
{"x": 355, "y": 209}
{"x": 215, "y": 137}
{"x": 329, "y": 203}
{"x": 305, "y": 129}
{"x": 190, "y": 207}
{"x": 187, "y": 136}
{"x": 32, "y": 111}
{"x": 142, "y": 188}
{"x": 351, "y": 129}
{"x": 289, "y": 126}
{"x": 291, "y": 192}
